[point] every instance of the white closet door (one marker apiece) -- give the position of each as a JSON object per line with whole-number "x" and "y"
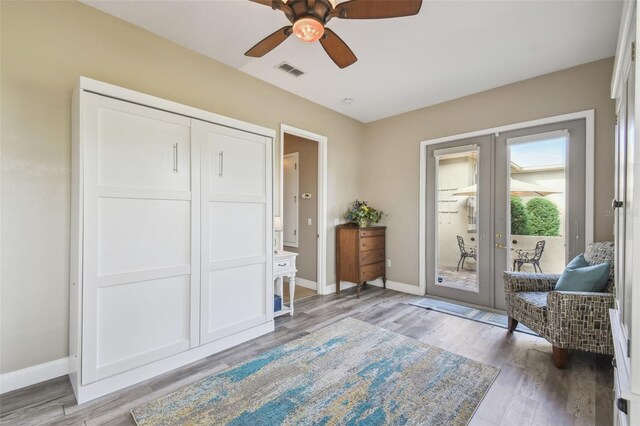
{"x": 237, "y": 223}
{"x": 141, "y": 264}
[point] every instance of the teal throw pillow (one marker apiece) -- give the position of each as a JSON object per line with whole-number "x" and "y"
{"x": 578, "y": 262}
{"x": 580, "y": 276}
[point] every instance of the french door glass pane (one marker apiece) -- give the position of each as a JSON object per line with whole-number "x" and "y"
{"x": 537, "y": 189}
{"x": 457, "y": 219}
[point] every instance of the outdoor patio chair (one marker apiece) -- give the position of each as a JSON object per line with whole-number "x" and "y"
{"x": 465, "y": 251}
{"x": 567, "y": 319}
{"x": 530, "y": 256}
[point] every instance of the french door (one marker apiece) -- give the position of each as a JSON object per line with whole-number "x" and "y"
{"x": 505, "y": 201}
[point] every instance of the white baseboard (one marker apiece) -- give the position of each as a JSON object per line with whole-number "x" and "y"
{"x": 306, "y": 283}
{"x": 404, "y": 288}
{"x": 32, "y": 375}
{"x": 391, "y": 285}
{"x": 331, "y": 288}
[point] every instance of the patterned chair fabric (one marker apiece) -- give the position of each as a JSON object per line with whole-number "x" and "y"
{"x": 567, "y": 319}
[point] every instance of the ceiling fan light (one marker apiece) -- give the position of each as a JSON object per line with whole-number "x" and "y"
{"x": 308, "y": 29}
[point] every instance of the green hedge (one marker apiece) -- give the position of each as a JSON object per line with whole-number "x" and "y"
{"x": 544, "y": 217}
{"x": 519, "y": 217}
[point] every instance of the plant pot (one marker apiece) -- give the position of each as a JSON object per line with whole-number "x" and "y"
{"x": 363, "y": 223}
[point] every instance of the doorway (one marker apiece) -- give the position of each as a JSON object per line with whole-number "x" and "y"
{"x": 302, "y": 181}
{"x": 501, "y": 200}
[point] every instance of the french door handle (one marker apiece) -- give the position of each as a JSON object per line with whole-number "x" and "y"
{"x": 500, "y": 246}
{"x": 615, "y": 204}
{"x": 221, "y": 164}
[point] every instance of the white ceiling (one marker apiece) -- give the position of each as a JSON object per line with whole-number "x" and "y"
{"x": 450, "y": 49}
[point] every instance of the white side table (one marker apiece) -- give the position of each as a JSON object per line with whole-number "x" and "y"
{"x": 284, "y": 265}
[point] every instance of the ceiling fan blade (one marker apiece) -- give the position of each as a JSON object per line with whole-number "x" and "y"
{"x": 337, "y": 49}
{"x": 376, "y": 9}
{"x": 269, "y": 43}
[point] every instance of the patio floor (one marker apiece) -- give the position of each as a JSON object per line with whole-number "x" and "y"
{"x": 463, "y": 279}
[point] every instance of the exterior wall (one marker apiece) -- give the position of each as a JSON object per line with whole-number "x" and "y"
{"x": 307, "y": 249}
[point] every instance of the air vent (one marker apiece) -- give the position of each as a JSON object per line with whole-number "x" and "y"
{"x": 289, "y": 69}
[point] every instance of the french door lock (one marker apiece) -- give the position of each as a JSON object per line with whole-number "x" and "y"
{"x": 615, "y": 204}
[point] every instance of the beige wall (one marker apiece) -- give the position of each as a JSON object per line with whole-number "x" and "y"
{"x": 45, "y": 46}
{"x": 391, "y": 147}
{"x": 308, "y": 182}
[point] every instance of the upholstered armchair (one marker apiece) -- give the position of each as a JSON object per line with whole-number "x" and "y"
{"x": 567, "y": 319}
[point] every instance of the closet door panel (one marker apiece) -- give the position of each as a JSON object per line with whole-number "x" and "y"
{"x": 237, "y": 230}
{"x": 236, "y": 299}
{"x": 135, "y": 328}
{"x": 137, "y": 235}
{"x": 236, "y": 251}
{"x": 142, "y": 149}
{"x": 141, "y": 266}
{"x": 237, "y": 163}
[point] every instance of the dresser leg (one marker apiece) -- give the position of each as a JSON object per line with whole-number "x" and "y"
{"x": 384, "y": 282}
{"x": 358, "y": 291}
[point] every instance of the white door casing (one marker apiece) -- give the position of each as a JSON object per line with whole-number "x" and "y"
{"x": 290, "y": 213}
{"x": 236, "y": 217}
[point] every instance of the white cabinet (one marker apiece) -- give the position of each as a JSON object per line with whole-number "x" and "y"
{"x": 625, "y": 318}
{"x": 171, "y": 254}
{"x": 236, "y": 225}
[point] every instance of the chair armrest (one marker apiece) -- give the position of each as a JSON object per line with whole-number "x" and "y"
{"x": 580, "y": 320}
{"x": 562, "y": 302}
{"x": 525, "y": 281}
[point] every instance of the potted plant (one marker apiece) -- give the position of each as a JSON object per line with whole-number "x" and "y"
{"x": 362, "y": 215}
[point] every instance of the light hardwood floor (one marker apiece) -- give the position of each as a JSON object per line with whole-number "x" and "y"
{"x": 300, "y": 293}
{"x": 528, "y": 391}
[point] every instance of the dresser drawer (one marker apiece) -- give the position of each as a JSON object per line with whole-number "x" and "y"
{"x": 371, "y": 233}
{"x": 371, "y": 243}
{"x": 371, "y": 256}
{"x": 281, "y": 265}
{"x": 371, "y": 272}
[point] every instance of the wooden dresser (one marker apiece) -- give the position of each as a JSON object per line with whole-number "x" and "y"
{"x": 360, "y": 255}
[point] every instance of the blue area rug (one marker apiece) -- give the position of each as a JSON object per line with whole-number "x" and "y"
{"x": 487, "y": 317}
{"x": 349, "y": 373}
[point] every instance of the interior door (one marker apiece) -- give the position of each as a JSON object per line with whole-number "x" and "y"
{"x": 141, "y": 263}
{"x": 237, "y": 222}
{"x": 290, "y": 204}
{"x": 459, "y": 243}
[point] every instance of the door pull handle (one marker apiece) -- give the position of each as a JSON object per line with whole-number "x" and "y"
{"x": 500, "y": 246}
{"x": 175, "y": 158}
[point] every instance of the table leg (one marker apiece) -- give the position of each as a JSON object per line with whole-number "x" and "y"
{"x": 292, "y": 290}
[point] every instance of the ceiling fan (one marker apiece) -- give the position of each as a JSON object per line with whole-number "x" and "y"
{"x": 309, "y": 19}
